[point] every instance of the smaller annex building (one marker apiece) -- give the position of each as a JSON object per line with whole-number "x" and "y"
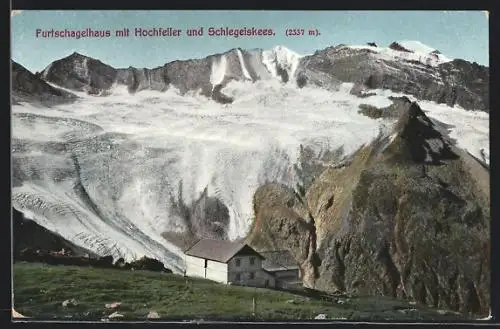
{"x": 281, "y": 265}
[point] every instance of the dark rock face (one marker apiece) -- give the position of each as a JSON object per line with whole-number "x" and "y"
{"x": 78, "y": 72}
{"x": 219, "y": 97}
{"x": 449, "y": 229}
{"x": 209, "y": 218}
{"x": 28, "y": 87}
{"x": 420, "y": 142}
{"x": 282, "y": 221}
{"x": 301, "y": 81}
{"x": 148, "y": 264}
{"x": 398, "y": 47}
{"x": 282, "y": 73}
{"x": 398, "y": 106}
{"x": 469, "y": 85}
{"x": 370, "y": 111}
{"x": 190, "y": 75}
{"x": 206, "y": 218}
{"x": 454, "y": 83}
{"x": 410, "y": 234}
{"x": 140, "y": 79}
{"x": 407, "y": 217}
{"x": 83, "y": 73}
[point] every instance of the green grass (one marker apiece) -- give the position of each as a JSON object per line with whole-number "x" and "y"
{"x": 39, "y": 291}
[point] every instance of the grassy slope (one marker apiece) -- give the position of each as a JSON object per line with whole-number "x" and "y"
{"x": 39, "y": 291}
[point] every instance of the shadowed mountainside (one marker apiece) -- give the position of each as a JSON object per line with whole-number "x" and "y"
{"x": 407, "y": 217}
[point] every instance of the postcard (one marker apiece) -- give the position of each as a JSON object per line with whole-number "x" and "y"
{"x": 199, "y": 166}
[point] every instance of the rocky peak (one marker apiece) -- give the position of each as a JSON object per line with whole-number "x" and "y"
{"x": 27, "y": 86}
{"x": 383, "y": 223}
{"x": 421, "y": 74}
{"x": 398, "y": 47}
{"x": 77, "y": 55}
{"x": 417, "y": 139}
{"x": 413, "y": 116}
{"x": 80, "y": 72}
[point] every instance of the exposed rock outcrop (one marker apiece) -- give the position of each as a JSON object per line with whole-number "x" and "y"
{"x": 28, "y": 87}
{"x": 83, "y": 73}
{"x": 282, "y": 221}
{"x": 149, "y": 264}
{"x": 219, "y": 97}
{"x": 79, "y": 72}
{"x": 453, "y": 83}
{"x": 398, "y": 47}
{"x": 207, "y": 217}
{"x": 407, "y": 217}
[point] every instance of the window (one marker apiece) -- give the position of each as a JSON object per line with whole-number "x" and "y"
{"x": 238, "y": 262}
{"x": 251, "y": 276}
{"x": 238, "y": 277}
{"x": 252, "y": 260}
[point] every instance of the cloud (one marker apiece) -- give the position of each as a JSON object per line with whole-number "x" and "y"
{"x": 15, "y": 12}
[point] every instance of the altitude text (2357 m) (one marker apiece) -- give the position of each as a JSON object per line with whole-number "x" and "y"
{"x": 299, "y": 32}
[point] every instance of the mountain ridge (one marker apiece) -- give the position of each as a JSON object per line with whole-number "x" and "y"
{"x": 426, "y": 76}
{"x": 27, "y": 86}
{"x": 403, "y": 42}
{"x": 368, "y": 228}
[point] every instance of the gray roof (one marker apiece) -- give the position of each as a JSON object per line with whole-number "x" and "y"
{"x": 278, "y": 260}
{"x": 219, "y": 250}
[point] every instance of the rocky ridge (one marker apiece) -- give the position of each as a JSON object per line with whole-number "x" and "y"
{"x": 425, "y": 76}
{"x": 29, "y": 87}
{"x": 407, "y": 216}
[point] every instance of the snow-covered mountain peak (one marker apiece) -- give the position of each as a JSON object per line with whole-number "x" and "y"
{"x": 279, "y": 60}
{"x": 280, "y": 49}
{"x": 411, "y": 51}
{"x": 283, "y": 55}
{"x": 416, "y": 46}
{"x": 420, "y": 48}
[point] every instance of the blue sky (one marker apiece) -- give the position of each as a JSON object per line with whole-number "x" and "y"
{"x": 457, "y": 34}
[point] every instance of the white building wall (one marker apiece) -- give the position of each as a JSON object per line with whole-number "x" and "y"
{"x": 217, "y": 271}
{"x": 195, "y": 266}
